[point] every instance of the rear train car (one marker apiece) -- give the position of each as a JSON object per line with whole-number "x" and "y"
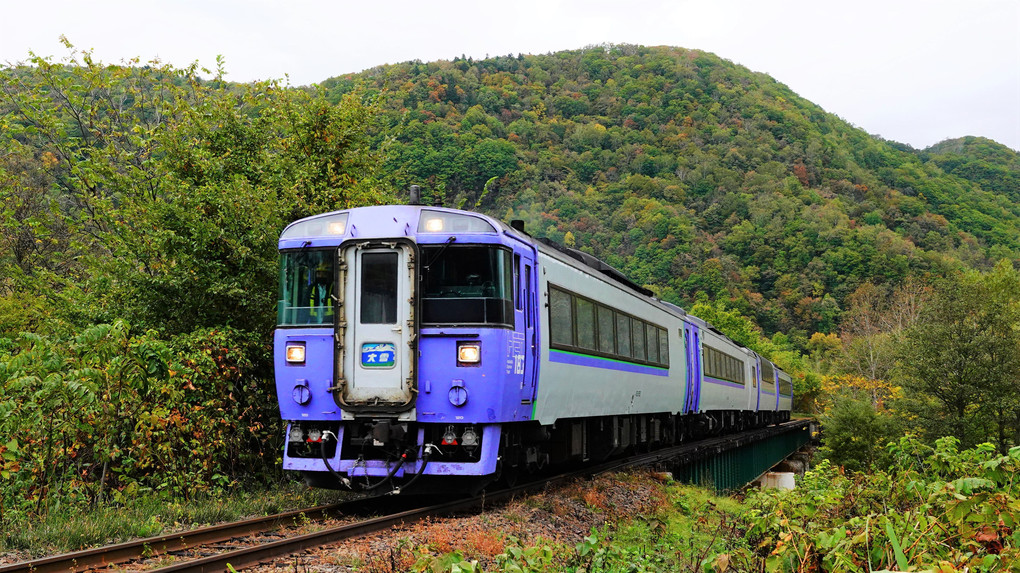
{"x": 430, "y": 345}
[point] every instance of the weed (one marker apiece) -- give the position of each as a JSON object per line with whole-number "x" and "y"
{"x": 69, "y": 529}
{"x": 595, "y": 499}
{"x": 485, "y": 544}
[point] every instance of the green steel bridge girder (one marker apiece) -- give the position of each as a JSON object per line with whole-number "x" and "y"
{"x": 731, "y": 462}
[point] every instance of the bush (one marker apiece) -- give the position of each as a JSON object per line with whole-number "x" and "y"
{"x": 107, "y": 414}
{"x": 933, "y": 509}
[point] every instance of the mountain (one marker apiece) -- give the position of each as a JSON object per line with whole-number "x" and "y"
{"x": 991, "y": 165}
{"x": 694, "y": 175}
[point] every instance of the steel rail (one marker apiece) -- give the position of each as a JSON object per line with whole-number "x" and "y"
{"x": 250, "y": 556}
{"x": 100, "y": 557}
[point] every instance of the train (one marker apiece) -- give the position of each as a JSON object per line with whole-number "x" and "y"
{"x": 419, "y": 346}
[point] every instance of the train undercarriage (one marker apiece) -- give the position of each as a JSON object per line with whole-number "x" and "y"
{"x": 381, "y": 456}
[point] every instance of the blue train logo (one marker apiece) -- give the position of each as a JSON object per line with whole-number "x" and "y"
{"x": 378, "y": 355}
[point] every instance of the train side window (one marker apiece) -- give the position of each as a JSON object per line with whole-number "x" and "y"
{"x": 561, "y": 318}
{"x": 607, "y": 338}
{"x": 623, "y": 335}
{"x": 519, "y": 302}
{"x": 638, "y": 336}
{"x": 585, "y": 323}
{"x": 663, "y": 347}
{"x": 527, "y": 295}
{"x": 652, "y": 337}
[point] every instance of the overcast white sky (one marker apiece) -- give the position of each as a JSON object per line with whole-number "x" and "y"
{"x": 913, "y": 71}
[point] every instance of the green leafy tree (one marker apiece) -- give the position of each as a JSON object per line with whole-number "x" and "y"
{"x": 143, "y": 206}
{"x": 961, "y": 358}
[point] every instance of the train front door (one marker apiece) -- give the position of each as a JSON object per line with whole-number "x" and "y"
{"x": 525, "y": 338}
{"x": 377, "y": 332}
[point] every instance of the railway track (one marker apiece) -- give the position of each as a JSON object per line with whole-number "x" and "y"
{"x": 103, "y": 557}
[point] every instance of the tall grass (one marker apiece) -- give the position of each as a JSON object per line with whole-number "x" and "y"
{"x": 70, "y": 529}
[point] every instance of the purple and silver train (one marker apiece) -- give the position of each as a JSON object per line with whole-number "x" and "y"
{"x": 423, "y": 343}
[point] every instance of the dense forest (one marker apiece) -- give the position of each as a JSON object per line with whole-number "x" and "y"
{"x": 140, "y": 207}
{"x": 695, "y": 176}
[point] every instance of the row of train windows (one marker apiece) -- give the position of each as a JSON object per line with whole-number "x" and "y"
{"x": 722, "y": 366}
{"x": 582, "y": 325}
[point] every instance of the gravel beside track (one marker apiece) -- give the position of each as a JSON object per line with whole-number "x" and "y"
{"x": 562, "y": 515}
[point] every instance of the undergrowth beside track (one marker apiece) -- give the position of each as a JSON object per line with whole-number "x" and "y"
{"x": 70, "y": 529}
{"x": 934, "y": 509}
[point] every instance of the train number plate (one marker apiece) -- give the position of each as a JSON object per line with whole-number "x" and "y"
{"x": 378, "y": 355}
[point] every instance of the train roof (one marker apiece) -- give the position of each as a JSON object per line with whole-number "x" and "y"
{"x": 389, "y": 220}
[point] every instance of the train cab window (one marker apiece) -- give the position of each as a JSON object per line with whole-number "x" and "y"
{"x": 306, "y": 288}
{"x": 467, "y": 285}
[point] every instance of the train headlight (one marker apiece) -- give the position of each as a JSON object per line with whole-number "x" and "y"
{"x": 446, "y": 222}
{"x": 324, "y": 226}
{"x": 434, "y": 225}
{"x": 469, "y": 353}
{"x": 295, "y": 353}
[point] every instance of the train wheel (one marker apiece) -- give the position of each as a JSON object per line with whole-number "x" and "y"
{"x": 508, "y": 465}
{"x": 507, "y": 475}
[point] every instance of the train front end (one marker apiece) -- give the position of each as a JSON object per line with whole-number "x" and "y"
{"x": 398, "y": 352}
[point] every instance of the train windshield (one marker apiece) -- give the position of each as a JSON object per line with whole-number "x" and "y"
{"x": 466, "y": 285}
{"x": 306, "y": 288}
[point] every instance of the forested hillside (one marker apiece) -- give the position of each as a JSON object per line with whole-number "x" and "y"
{"x": 140, "y": 208}
{"x": 695, "y": 176}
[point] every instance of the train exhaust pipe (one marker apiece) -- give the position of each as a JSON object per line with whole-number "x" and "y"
{"x": 415, "y": 195}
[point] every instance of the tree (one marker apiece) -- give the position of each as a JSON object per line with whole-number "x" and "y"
{"x": 174, "y": 189}
{"x": 961, "y": 358}
{"x": 873, "y": 319}
{"x": 165, "y": 195}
